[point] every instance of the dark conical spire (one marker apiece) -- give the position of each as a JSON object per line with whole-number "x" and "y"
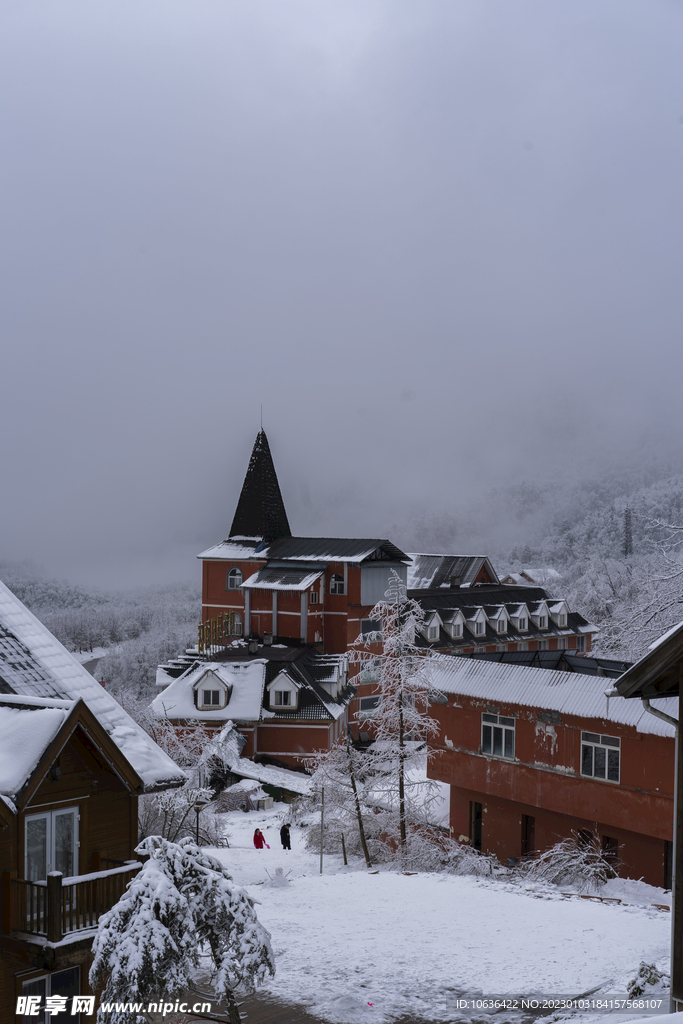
{"x": 260, "y": 510}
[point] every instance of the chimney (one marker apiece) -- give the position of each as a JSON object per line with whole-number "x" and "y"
{"x": 455, "y": 581}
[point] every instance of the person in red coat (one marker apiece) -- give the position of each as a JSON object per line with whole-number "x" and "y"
{"x": 259, "y": 839}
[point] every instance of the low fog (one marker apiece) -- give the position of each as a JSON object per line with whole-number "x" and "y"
{"x": 438, "y": 244}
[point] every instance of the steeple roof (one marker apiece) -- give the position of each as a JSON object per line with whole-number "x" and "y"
{"x": 260, "y": 509}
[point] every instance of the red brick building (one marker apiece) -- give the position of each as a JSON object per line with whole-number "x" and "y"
{"x": 532, "y": 755}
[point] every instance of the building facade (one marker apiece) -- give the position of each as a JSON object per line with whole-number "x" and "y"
{"x": 533, "y": 756}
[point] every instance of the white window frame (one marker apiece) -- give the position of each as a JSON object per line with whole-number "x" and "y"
{"x": 543, "y": 645}
{"x": 50, "y": 852}
{"x": 282, "y": 703}
{"x": 234, "y": 578}
{"x": 498, "y": 731}
{"x": 502, "y": 624}
{"x": 580, "y": 644}
{"x": 479, "y": 628}
{"x": 522, "y": 625}
{"x": 592, "y": 742}
{"x": 542, "y": 621}
{"x": 432, "y": 632}
{"x": 562, "y": 620}
{"x": 456, "y": 630}
{"x": 313, "y": 597}
{"x": 238, "y": 625}
{"x": 337, "y": 584}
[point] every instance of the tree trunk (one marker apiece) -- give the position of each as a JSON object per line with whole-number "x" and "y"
{"x": 401, "y": 778}
{"x": 361, "y": 827}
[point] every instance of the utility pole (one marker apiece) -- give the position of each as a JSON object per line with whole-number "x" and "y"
{"x": 322, "y": 826}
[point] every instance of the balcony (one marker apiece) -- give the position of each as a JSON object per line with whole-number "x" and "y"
{"x": 59, "y": 907}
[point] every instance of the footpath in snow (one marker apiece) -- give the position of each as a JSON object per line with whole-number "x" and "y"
{"x": 351, "y": 946}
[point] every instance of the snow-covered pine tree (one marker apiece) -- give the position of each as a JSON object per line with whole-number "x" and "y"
{"x": 401, "y": 723}
{"x": 181, "y": 904}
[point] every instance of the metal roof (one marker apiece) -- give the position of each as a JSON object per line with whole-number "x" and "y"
{"x": 431, "y": 571}
{"x": 570, "y": 694}
{"x": 282, "y": 579}
{"x": 332, "y": 549}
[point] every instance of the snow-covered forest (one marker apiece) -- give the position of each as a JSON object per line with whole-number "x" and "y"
{"x": 137, "y": 628}
{"x": 572, "y": 536}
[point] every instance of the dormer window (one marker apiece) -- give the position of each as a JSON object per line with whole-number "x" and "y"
{"x": 478, "y": 628}
{"x": 542, "y": 622}
{"x": 337, "y": 584}
{"x": 522, "y": 624}
{"x": 211, "y": 695}
{"x": 456, "y": 630}
{"x": 502, "y": 625}
{"x": 432, "y": 632}
{"x": 234, "y": 579}
{"x": 562, "y": 620}
{"x": 283, "y": 693}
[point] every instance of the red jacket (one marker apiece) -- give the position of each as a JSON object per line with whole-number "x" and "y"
{"x": 259, "y": 840}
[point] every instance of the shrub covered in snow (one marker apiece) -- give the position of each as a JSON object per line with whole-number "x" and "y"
{"x": 573, "y": 862}
{"x": 648, "y": 981}
{"x": 181, "y": 904}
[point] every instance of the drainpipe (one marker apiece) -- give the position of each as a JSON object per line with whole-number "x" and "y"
{"x": 676, "y": 907}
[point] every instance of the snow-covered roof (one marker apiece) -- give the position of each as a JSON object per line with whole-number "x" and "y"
{"x": 295, "y": 782}
{"x": 25, "y": 734}
{"x": 278, "y": 578}
{"x": 34, "y": 663}
{"x": 567, "y": 693}
{"x": 236, "y": 549}
{"x": 426, "y": 571}
{"x": 245, "y": 678}
{"x": 305, "y": 549}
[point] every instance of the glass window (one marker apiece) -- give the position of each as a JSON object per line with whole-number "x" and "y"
{"x": 51, "y": 842}
{"x": 497, "y": 735}
{"x": 368, "y": 703}
{"x": 457, "y": 629}
{"x": 600, "y": 756}
{"x": 581, "y": 643}
{"x": 337, "y": 584}
{"x": 237, "y": 624}
{"x": 283, "y": 698}
{"x": 313, "y": 597}
{"x": 234, "y": 579}
{"x": 543, "y": 645}
{"x": 478, "y": 628}
{"x": 370, "y": 626}
{"x": 542, "y": 622}
{"x": 211, "y": 698}
{"x": 562, "y": 620}
{"x": 433, "y": 633}
{"x": 502, "y": 625}
{"x": 522, "y": 624}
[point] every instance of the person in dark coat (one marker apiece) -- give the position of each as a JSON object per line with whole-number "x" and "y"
{"x": 259, "y": 839}
{"x": 284, "y": 838}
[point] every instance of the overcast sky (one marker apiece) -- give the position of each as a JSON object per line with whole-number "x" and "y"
{"x": 440, "y": 242}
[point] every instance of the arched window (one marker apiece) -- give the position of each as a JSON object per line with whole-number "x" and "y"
{"x": 234, "y": 579}
{"x": 337, "y": 584}
{"x": 238, "y": 627}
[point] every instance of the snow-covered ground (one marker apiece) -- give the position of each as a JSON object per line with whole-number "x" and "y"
{"x": 353, "y": 946}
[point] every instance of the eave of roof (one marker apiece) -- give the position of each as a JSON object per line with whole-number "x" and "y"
{"x": 658, "y": 673}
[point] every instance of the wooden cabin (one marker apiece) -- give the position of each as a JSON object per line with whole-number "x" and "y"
{"x": 72, "y": 765}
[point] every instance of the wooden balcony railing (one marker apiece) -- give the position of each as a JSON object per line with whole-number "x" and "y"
{"x": 61, "y": 906}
